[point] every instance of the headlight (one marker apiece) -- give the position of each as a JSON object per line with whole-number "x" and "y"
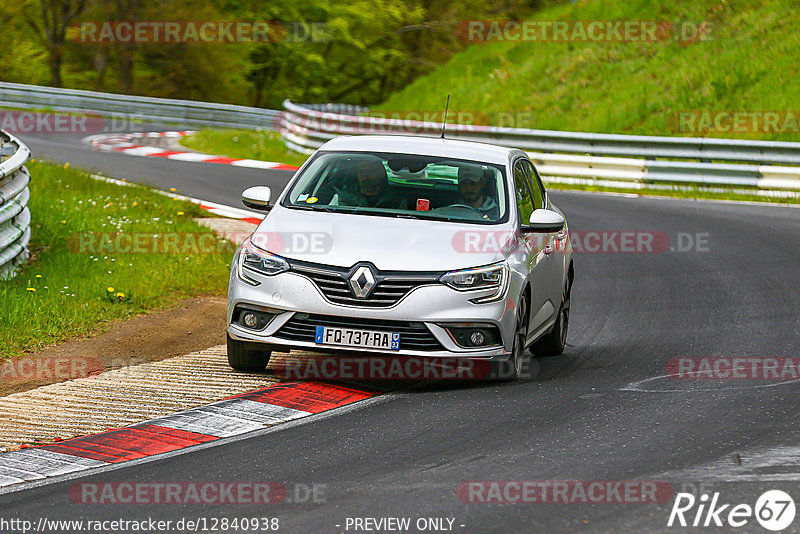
{"x": 490, "y": 277}
{"x": 252, "y": 259}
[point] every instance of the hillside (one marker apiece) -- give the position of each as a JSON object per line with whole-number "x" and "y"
{"x": 743, "y": 59}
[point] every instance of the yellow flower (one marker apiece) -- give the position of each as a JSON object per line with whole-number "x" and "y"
{"x": 180, "y": 213}
{"x": 63, "y": 222}
{"x": 38, "y": 276}
{"x": 172, "y": 189}
{"x": 110, "y": 289}
{"x": 32, "y": 289}
{"x": 66, "y": 165}
{"x": 121, "y": 295}
{"x": 135, "y": 203}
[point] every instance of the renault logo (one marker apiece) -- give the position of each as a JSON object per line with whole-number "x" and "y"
{"x": 362, "y": 281}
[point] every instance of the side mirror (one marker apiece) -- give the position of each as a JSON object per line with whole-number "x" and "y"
{"x": 544, "y": 221}
{"x": 257, "y": 198}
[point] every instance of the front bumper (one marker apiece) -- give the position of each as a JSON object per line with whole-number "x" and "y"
{"x": 435, "y": 305}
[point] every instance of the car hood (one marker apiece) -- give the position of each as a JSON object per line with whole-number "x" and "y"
{"x": 389, "y": 243}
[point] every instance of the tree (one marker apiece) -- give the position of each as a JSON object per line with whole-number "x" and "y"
{"x": 126, "y": 10}
{"x": 50, "y": 22}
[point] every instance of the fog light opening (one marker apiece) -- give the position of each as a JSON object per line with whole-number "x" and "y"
{"x": 250, "y": 320}
{"x": 477, "y": 338}
{"x": 473, "y": 335}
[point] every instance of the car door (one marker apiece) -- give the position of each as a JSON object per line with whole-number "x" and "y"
{"x": 532, "y": 251}
{"x": 555, "y": 246}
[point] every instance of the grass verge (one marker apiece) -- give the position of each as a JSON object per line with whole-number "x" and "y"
{"x": 81, "y": 277}
{"x": 252, "y": 144}
{"x": 742, "y": 62}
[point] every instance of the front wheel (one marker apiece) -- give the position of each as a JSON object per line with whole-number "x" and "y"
{"x": 512, "y": 368}
{"x": 555, "y": 342}
{"x": 244, "y": 356}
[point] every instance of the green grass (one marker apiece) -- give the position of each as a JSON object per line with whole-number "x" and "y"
{"x": 750, "y": 63}
{"x": 260, "y": 145}
{"x": 63, "y": 291}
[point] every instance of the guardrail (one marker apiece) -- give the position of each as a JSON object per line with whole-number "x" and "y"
{"x": 631, "y": 158}
{"x": 15, "y": 218}
{"x": 181, "y": 112}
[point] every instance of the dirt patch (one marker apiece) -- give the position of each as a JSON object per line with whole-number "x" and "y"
{"x": 198, "y": 323}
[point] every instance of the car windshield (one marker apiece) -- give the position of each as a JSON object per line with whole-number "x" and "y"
{"x": 402, "y": 185}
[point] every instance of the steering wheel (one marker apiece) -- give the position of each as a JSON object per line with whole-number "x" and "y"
{"x": 461, "y": 206}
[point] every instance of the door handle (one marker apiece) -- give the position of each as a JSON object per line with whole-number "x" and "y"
{"x": 548, "y": 248}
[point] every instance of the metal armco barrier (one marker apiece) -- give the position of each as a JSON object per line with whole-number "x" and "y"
{"x": 635, "y": 158}
{"x": 15, "y": 218}
{"x": 737, "y": 163}
{"x": 141, "y": 108}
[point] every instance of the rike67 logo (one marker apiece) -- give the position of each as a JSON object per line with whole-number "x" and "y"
{"x": 774, "y": 510}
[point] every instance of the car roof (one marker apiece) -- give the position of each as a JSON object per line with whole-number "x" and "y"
{"x": 426, "y": 146}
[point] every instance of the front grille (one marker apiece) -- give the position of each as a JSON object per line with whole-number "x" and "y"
{"x": 413, "y": 336}
{"x": 389, "y": 290}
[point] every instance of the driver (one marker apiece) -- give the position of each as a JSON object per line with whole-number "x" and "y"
{"x": 373, "y": 188}
{"x": 471, "y": 184}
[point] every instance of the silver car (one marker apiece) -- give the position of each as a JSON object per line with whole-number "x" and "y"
{"x": 405, "y": 246}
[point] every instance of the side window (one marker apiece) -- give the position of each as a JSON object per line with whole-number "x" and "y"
{"x": 523, "y": 194}
{"x": 535, "y": 183}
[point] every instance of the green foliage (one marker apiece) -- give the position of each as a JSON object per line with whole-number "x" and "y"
{"x": 627, "y": 87}
{"x": 28, "y": 62}
{"x": 355, "y": 51}
{"x": 370, "y": 48}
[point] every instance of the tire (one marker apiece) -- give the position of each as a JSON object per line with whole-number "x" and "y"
{"x": 555, "y": 342}
{"x": 244, "y": 356}
{"x": 511, "y": 369}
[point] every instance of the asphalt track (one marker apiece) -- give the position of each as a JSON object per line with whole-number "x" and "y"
{"x": 601, "y": 412}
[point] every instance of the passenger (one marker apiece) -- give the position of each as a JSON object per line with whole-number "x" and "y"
{"x": 472, "y": 185}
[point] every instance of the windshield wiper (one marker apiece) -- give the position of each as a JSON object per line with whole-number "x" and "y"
{"x": 312, "y": 208}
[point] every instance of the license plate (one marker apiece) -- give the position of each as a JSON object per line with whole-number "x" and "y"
{"x": 351, "y": 337}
